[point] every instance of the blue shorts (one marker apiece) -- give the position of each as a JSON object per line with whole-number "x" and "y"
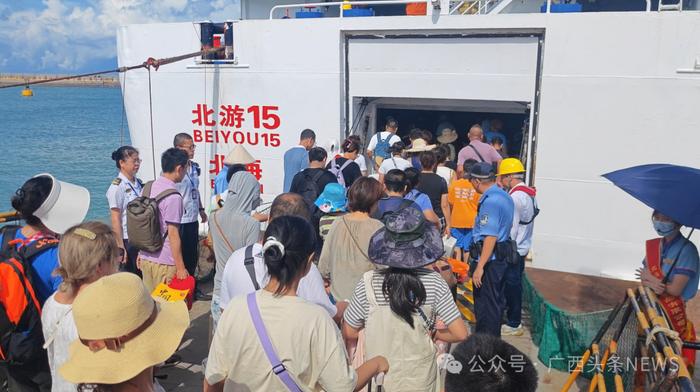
{"x": 463, "y": 237}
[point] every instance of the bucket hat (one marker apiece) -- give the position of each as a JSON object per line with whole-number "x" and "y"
{"x": 332, "y": 199}
{"x": 420, "y": 145}
{"x": 66, "y": 205}
{"x": 447, "y": 136}
{"x": 239, "y": 155}
{"x": 122, "y": 330}
{"x": 406, "y": 241}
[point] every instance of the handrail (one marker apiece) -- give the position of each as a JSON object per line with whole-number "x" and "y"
{"x": 340, "y": 4}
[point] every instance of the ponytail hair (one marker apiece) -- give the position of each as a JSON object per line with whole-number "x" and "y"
{"x": 30, "y": 197}
{"x": 287, "y": 249}
{"x": 123, "y": 153}
{"x": 405, "y": 291}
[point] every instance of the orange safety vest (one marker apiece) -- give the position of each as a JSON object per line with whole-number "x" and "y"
{"x": 673, "y": 306}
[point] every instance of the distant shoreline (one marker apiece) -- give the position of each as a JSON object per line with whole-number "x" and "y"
{"x": 90, "y": 81}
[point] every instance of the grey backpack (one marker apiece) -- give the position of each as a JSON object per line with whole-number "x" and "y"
{"x": 143, "y": 220}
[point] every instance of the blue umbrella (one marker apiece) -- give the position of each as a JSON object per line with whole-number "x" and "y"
{"x": 672, "y": 190}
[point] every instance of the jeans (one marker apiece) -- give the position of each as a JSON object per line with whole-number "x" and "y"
{"x": 514, "y": 292}
{"x": 489, "y": 300}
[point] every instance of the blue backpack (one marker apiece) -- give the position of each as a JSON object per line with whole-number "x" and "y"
{"x": 382, "y": 148}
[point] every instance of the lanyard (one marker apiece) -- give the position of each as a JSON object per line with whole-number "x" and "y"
{"x": 136, "y": 192}
{"x": 192, "y": 182}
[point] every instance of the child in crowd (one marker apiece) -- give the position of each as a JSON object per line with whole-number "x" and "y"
{"x": 87, "y": 252}
{"x": 441, "y": 154}
{"x": 289, "y": 342}
{"x": 464, "y": 200}
{"x": 514, "y": 372}
{"x": 333, "y": 204}
{"x": 123, "y": 334}
{"x": 398, "y": 306}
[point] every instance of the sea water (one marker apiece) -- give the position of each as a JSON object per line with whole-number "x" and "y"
{"x": 69, "y": 132}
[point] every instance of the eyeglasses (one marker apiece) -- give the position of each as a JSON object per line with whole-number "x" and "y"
{"x": 137, "y": 160}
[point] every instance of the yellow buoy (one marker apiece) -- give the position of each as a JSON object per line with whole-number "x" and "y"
{"x": 27, "y": 92}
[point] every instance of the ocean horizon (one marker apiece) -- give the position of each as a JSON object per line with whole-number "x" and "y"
{"x": 69, "y": 132}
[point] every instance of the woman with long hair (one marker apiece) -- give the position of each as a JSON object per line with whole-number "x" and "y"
{"x": 399, "y": 307}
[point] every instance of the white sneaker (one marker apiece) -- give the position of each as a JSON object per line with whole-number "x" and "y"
{"x": 507, "y": 330}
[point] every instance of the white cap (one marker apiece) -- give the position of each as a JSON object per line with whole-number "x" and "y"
{"x": 66, "y": 205}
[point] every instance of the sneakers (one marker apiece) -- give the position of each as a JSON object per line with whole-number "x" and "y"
{"x": 507, "y": 330}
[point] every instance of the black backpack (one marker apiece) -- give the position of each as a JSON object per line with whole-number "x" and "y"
{"x": 21, "y": 337}
{"x": 309, "y": 188}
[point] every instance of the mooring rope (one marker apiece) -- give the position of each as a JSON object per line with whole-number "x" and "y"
{"x": 150, "y": 110}
{"x": 151, "y": 62}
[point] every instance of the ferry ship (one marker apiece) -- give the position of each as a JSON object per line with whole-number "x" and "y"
{"x": 584, "y": 87}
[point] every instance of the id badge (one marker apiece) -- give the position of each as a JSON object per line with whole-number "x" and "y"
{"x": 195, "y": 194}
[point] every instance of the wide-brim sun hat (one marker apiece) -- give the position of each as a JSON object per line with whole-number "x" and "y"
{"x": 448, "y": 136}
{"x": 420, "y": 145}
{"x": 66, "y": 205}
{"x": 406, "y": 241}
{"x": 332, "y": 199}
{"x": 118, "y": 309}
{"x": 239, "y": 156}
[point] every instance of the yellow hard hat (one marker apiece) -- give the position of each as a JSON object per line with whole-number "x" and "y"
{"x": 510, "y": 166}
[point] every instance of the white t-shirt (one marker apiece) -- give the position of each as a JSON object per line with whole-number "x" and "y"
{"x": 236, "y": 280}
{"x": 383, "y": 135}
{"x": 362, "y": 163}
{"x": 120, "y": 193}
{"x": 446, "y": 173}
{"x": 523, "y": 211}
{"x": 59, "y": 332}
{"x": 305, "y": 339}
{"x": 394, "y": 163}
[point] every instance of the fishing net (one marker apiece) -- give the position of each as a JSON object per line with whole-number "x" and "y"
{"x": 563, "y": 337}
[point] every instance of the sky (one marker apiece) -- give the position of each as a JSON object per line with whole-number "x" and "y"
{"x": 79, "y": 36}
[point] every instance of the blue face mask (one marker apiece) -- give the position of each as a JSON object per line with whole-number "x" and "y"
{"x": 664, "y": 228}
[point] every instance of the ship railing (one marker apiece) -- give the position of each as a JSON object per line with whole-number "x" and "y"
{"x": 473, "y": 7}
{"x": 341, "y": 4}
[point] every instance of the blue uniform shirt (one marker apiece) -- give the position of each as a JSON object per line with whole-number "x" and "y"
{"x": 688, "y": 264}
{"x": 495, "y": 215}
{"x": 43, "y": 266}
{"x": 220, "y": 181}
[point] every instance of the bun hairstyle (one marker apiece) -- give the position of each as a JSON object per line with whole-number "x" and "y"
{"x": 286, "y": 249}
{"x": 30, "y": 196}
{"x": 123, "y": 153}
{"x": 82, "y": 249}
{"x": 350, "y": 145}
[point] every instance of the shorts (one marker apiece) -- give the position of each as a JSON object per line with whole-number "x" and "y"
{"x": 155, "y": 273}
{"x": 463, "y": 237}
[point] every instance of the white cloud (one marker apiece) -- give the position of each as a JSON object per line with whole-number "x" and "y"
{"x": 68, "y": 35}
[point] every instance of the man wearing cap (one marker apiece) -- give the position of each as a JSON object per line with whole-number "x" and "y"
{"x": 238, "y": 157}
{"x": 491, "y": 235}
{"x": 511, "y": 173}
{"x": 192, "y": 204}
{"x": 477, "y": 150}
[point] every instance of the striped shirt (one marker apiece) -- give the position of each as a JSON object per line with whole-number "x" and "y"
{"x": 438, "y": 296}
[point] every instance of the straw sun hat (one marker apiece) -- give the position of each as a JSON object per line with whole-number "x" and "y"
{"x": 239, "y": 155}
{"x": 420, "y": 145}
{"x": 121, "y": 331}
{"x": 448, "y": 136}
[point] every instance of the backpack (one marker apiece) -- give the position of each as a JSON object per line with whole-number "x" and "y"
{"x": 337, "y": 170}
{"x": 309, "y": 189}
{"x": 382, "y": 147}
{"x": 405, "y": 203}
{"x": 21, "y": 337}
{"x": 143, "y": 220}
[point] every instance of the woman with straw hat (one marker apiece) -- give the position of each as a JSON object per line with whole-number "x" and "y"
{"x": 446, "y": 138}
{"x": 398, "y": 306}
{"x": 122, "y": 334}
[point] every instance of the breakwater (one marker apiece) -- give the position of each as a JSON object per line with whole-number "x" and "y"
{"x": 93, "y": 81}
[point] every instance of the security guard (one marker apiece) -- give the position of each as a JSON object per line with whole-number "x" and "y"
{"x": 511, "y": 173}
{"x": 491, "y": 250}
{"x": 125, "y": 188}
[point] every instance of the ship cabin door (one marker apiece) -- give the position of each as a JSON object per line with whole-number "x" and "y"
{"x": 463, "y": 80}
